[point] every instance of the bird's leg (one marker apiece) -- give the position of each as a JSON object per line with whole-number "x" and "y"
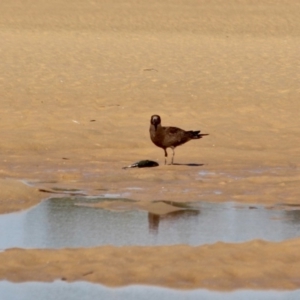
{"x": 173, "y": 149}
{"x": 166, "y": 155}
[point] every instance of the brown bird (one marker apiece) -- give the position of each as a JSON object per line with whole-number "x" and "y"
{"x": 170, "y": 137}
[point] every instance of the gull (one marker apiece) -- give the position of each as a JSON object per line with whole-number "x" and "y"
{"x": 170, "y": 137}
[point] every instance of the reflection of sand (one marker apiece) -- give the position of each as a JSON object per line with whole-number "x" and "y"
{"x": 157, "y": 208}
{"x": 81, "y": 79}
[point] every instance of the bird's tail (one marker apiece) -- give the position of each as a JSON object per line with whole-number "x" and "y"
{"x": 197, "y": 134}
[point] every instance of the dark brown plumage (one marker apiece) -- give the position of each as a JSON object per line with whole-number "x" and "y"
{"x": 170, "y": 137}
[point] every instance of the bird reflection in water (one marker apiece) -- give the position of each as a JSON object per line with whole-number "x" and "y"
{"x": 293, "y": 215}
{"x": 154, "y": 219}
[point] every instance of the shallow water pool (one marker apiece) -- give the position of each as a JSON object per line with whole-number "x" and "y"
{"x": 86, "y": 291}
{"x": 60, "y": 222}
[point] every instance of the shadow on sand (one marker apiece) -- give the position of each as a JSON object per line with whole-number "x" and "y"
{"x": 190, "y": 165}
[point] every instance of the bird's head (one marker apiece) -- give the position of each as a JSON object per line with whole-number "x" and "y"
{"x": 155, "y": 121}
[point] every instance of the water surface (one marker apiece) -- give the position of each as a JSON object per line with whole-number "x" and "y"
{"x": 60, "y": 222}
{"x": 86, "y": 291}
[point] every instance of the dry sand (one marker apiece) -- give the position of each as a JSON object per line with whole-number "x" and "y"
{"x": 79, "y": 81}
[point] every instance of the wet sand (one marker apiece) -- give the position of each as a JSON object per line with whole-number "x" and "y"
{"x": 219, "y": 266}
{"x": 80, "y": 81}
{"x": 15, "y": 196}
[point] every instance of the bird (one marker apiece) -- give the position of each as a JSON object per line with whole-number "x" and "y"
{"x": 170, "y": 137}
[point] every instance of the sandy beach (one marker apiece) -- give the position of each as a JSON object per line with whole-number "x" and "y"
{"x": 79, "y": 82}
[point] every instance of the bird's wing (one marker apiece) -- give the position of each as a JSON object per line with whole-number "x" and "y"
{"x": 173, "y": 130}
{"x": 174, "y": 136}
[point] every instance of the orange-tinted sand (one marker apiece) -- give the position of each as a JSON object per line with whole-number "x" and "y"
{"x": 79, "y": 81}
{"x": 255, "y": 265}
